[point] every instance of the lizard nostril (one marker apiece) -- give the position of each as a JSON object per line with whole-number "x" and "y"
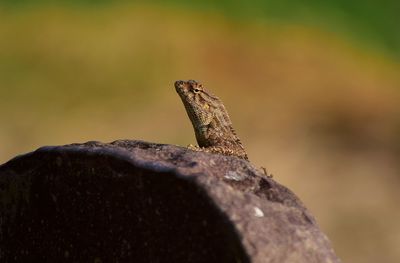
{"x": 178, "y": 83}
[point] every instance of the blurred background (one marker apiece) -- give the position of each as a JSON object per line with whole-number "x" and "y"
{"x": 312, "y": 87}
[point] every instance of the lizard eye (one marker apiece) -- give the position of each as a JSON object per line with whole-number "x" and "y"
{"x": 196, "y": 90}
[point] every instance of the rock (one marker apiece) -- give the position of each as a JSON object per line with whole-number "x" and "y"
{"x": 134, "y": 201}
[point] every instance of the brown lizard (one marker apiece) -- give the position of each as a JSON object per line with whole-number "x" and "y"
{"x": 210, "y": 120}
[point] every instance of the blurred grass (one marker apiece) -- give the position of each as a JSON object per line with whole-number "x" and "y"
{"x": 374, "y": 22}
{"x": 319, "y": 111}
{"x": 370, "y": 23}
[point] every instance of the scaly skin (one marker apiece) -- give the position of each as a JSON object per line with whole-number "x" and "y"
{"x": 210, "y": 120}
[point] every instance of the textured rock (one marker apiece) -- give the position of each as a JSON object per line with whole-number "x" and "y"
{"x": 133, "y": 201}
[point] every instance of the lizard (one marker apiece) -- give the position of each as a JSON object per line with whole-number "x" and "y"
{"x": 210, "y": 120}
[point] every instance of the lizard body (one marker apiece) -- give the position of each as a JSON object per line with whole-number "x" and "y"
{"x": 210, "y": 120}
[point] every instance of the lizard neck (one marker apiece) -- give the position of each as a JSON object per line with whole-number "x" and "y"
{"x": 218, "y": 132}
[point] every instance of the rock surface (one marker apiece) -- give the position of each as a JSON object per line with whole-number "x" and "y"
{"x": 133, "y": 201}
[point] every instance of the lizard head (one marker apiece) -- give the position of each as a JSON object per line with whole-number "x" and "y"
{"x": 194, "y": 93}
{"x": 198, "y": 102}
{"x": 188, "y": 89}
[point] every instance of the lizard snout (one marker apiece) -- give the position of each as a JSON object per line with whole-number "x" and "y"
{"x": 179, "y": 83}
